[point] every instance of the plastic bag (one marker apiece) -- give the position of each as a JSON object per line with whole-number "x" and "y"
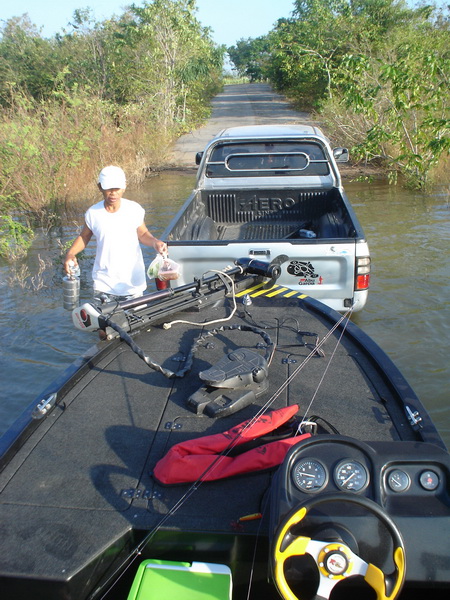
{"x": 163, "y": 268}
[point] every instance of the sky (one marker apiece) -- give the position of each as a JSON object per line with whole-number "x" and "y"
{"x": 230, "y": 20}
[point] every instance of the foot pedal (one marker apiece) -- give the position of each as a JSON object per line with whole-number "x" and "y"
{"x": 218, "y": 402}
{"x": 233, "y": 383}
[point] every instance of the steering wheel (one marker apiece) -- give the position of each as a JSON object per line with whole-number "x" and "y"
{"x": 334, "y": 560}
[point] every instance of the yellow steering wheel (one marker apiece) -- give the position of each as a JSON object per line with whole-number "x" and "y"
{"x": 335, "y": 561}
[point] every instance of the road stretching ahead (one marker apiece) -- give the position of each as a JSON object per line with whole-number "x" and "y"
{"x": 237, "y": 105}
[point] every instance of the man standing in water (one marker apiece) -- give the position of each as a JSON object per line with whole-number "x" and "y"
{"x": 119, "y": 228}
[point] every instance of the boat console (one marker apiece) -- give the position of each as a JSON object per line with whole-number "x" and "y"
{"x": 341, "y": 507}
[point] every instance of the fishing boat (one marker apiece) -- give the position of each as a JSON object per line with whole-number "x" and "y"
{"x": 228, "y": 438}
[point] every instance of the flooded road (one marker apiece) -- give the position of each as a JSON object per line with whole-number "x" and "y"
{"x": 238, "y": 105}
{"x": 408, "y": 312}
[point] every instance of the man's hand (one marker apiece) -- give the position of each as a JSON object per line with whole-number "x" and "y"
{"x": 161, "y": 247}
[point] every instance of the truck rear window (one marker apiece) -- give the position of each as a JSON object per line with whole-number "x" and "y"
{"x": 267, "y": 160}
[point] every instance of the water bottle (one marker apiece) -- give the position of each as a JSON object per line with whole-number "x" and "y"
{"x": 71, "y": 287}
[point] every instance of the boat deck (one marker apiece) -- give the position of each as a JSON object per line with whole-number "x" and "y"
{"x": 86, "y": 490}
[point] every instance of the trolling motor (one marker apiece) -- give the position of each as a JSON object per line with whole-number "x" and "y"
{"x": 237, "y": 379}
{"x": 92, "y": 317}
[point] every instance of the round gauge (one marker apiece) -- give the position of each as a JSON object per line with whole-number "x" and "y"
{"x": 309, "y": 475}
{"x": 398, "y": 480}
{"x": 351, "y": 475}
{"x": 429, "y": 480}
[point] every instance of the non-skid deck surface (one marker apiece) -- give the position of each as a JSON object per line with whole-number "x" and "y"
{"x": 89, "y": 480}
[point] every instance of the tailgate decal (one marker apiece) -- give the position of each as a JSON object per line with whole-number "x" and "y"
{"x": 275, "y": 290}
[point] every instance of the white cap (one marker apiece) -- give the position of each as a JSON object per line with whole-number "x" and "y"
{"x": 112, "y": 177}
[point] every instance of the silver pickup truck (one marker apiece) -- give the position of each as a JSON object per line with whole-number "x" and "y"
{"x": 274, "y": 193}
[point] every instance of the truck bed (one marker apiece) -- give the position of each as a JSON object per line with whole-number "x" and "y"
{"x": 263, "y": 215}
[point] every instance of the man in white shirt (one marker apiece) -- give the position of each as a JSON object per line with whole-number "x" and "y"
{"x": 119, "y": 228}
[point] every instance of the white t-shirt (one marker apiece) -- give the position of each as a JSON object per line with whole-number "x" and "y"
{"x": 119, "y": 265}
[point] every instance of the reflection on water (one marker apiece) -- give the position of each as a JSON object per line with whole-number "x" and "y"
{"x": 408, "y": 312}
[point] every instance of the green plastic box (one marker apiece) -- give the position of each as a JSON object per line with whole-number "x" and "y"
{"x": 168, "y": 580}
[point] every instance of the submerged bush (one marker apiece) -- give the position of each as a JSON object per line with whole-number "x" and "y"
{"x": 15, "y": 238}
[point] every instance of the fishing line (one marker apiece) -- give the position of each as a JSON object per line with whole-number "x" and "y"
{"x": 195, "y": 486}
{"x": 313, "y": 352}
{"x": 258, "y": 531}
{"x": 349, "y": 312}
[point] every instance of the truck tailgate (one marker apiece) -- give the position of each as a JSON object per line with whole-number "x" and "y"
{"x": 322, "y": 270}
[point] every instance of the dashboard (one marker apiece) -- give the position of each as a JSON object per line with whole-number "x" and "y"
{"x": 409, "y": 481}
{"x": 311, "y": 475}
{"x": 382, "y": 471}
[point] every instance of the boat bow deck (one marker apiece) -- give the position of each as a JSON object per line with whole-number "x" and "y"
{"x": 82, "y": 490}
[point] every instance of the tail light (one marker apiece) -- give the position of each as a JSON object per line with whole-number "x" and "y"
{"x": 362, "y": 274}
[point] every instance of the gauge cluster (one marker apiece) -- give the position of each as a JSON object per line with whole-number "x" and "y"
{"x": 316, "y": 472}
{"x": 311, "y": 475}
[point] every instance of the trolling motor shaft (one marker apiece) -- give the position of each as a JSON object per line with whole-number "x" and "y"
{"x": 90, "y": 317}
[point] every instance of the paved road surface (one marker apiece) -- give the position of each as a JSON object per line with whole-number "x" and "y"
{"x": 244, "y": 104}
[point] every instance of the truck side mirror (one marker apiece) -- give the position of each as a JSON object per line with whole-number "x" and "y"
{"x": 341, "y": 154}
{"x": 198, "y": 158}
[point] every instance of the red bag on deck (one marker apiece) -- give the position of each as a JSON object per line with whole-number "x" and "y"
{"x": 201, "y": 459}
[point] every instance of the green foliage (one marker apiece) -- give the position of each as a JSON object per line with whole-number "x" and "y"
{"x": 165, "y": 54}
{"x": 377, "y": 69}
{"x": 43, "y": 145}
{"x": 403, "y": 96}
{"x": 27, "y": 62}
{"x": 251, "y": 58}
{"x": 15, "y": 238}
{"x": 111, "y": 92}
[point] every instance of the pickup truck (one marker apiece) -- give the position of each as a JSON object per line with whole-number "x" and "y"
{"x": 274, "y": 193}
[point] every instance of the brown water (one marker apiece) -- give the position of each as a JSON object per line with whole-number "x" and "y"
{"x": 408, "y": 313}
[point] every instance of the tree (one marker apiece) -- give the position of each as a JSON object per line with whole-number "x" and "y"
{"x": 379, "y": 65}
{"x": 403, "y": 96}
{"x": 163, "y": 54}
{"x": 251, "y": 57}
{"x": 27, "y": 61}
